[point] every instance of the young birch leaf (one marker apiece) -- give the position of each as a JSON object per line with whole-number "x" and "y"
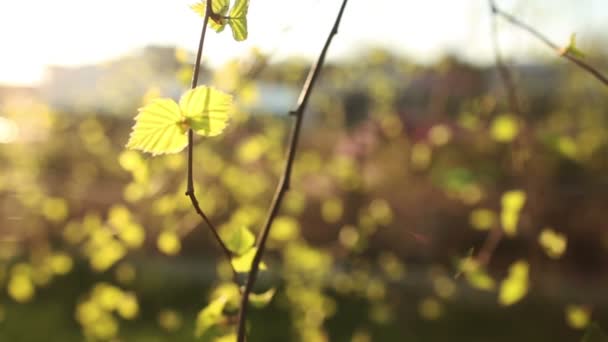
{"x": 572, "y": 48}
{"x": 206, "y": 110}
{"x": 238, "y": 19}
{"x": 217, "y": 18}
{"x": 159, "y": 128}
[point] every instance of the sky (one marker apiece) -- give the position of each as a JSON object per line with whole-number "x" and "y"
{"x": 38, "y": 33}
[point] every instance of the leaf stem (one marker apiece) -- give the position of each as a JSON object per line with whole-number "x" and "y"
{"x": 284, "y": 182}
{"x": 190, "y": 186}
{"x": 561, "y": 52}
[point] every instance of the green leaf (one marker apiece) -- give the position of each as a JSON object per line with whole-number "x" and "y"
{"x": 219, "y": 7}
{"x": 206, "y": 109}
{"x": 260, "y": 300}
{"x": 238, "y": 19}
{"x": 159, "y": 128}
{"x": 242, "y": 264}
{"x": 594, "y": 334}
{"x": 553, "y": 242}
{"x": 240, "y": 240}
{"x": 515, "y": 286}
{"x": 210, "y": 315}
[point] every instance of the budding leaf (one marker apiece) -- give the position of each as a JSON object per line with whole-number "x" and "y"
{"x": 237, "y": 19}
{"x": 217, "y": 18}
{"x": 161, "y": 126}
{"x": 572, "y": 49}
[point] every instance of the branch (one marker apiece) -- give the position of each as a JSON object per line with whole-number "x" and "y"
{"x": 561, "y": 52}
{"x": 284, "y": 182}
{"x": 190, "y": 189}
{"x": 503, "y": 70}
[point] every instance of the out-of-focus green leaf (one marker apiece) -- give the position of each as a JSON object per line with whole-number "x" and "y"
{"x": 240, "y": 240}
{"x": 260, "y": 300}
{"x": 210, "y": 315}
{"x": 242, "y": 264}
{"x": 512, "y": 203}
{"x": 578, "y": 316}
{"x": 554, "y": 243}
{"x": 515, "y": 286}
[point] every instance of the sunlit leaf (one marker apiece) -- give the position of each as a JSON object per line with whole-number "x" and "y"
{"x": 242, "y": 264}
{"x": 515, "y": 286}
{"x": 206, "y": 110}
{"x": 238, "y": 19}
{"x": 239, "y": 240}
{"x": 159, "y": 128}
{"x": 219, "y": 8}
{"x": 554, "y": 243}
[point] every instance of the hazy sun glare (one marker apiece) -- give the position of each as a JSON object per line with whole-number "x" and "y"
{"x": 38, "y": 33}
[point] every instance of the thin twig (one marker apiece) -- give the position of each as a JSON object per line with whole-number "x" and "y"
{"x": 503, "y": 69}
{"x": 560, "y": 51}
{"x": 190, "y": 186}
{"x": 489, "y": 246}
{"x": 284, "y": 182}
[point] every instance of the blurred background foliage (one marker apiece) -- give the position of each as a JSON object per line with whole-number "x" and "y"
{"x": 421, "y": 207}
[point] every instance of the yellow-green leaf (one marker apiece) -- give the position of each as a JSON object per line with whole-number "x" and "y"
{"x": 206, "y": 110}
{"x": 553, "y": 242}
{"x": 239, "y": 240}
{"x": 512, "y": 203}
{"x": 571, "y": 48}
{"x": 219, "y": 7}
{"x": 260, "y": 300}
{"x": 504, "y": 128}
{"x": 158, "y": 128}
{"x": 577, "y": 316}
{"x": 242, "y": 264}
{"x": 238, "y": 19}
{"x": 515, "y": 286}
{"x": 210, "y": 315}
